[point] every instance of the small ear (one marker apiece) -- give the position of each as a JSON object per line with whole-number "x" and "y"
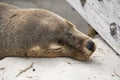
{"x": 70, "y": 24}
{"x": 55, "y": 46}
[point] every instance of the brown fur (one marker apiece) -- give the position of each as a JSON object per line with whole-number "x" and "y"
{"x": 39, "y": 33}
{"x": 91, "y": 33}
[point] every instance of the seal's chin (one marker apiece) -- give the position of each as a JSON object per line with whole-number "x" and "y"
{"x": 83, "y": 56}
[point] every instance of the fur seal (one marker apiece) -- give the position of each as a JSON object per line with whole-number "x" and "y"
{"x": 40, "y": 33}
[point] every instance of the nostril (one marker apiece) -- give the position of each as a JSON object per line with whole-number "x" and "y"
{"x": 90, "y": 45}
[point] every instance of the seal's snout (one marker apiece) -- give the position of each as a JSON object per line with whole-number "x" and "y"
{"x": 90, "y": 45}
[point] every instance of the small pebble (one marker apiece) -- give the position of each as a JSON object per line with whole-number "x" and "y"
{"x": 33, "y": 69}
{"x": 69, "y": 63}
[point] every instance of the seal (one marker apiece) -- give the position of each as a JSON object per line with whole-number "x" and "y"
{"x": 40, "y": 33}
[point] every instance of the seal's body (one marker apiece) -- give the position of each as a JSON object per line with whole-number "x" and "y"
{"x": 40, "y": 33}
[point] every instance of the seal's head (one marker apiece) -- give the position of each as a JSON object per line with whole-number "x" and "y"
{"x": 73, "y": 43}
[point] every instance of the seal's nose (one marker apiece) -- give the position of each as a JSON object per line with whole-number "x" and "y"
{"x": 90, "y": 45}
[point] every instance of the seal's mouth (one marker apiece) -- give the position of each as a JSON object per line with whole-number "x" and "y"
{"x": 87, "y": 50}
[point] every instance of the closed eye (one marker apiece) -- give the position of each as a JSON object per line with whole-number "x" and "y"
{"x": 58, "y": 48}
